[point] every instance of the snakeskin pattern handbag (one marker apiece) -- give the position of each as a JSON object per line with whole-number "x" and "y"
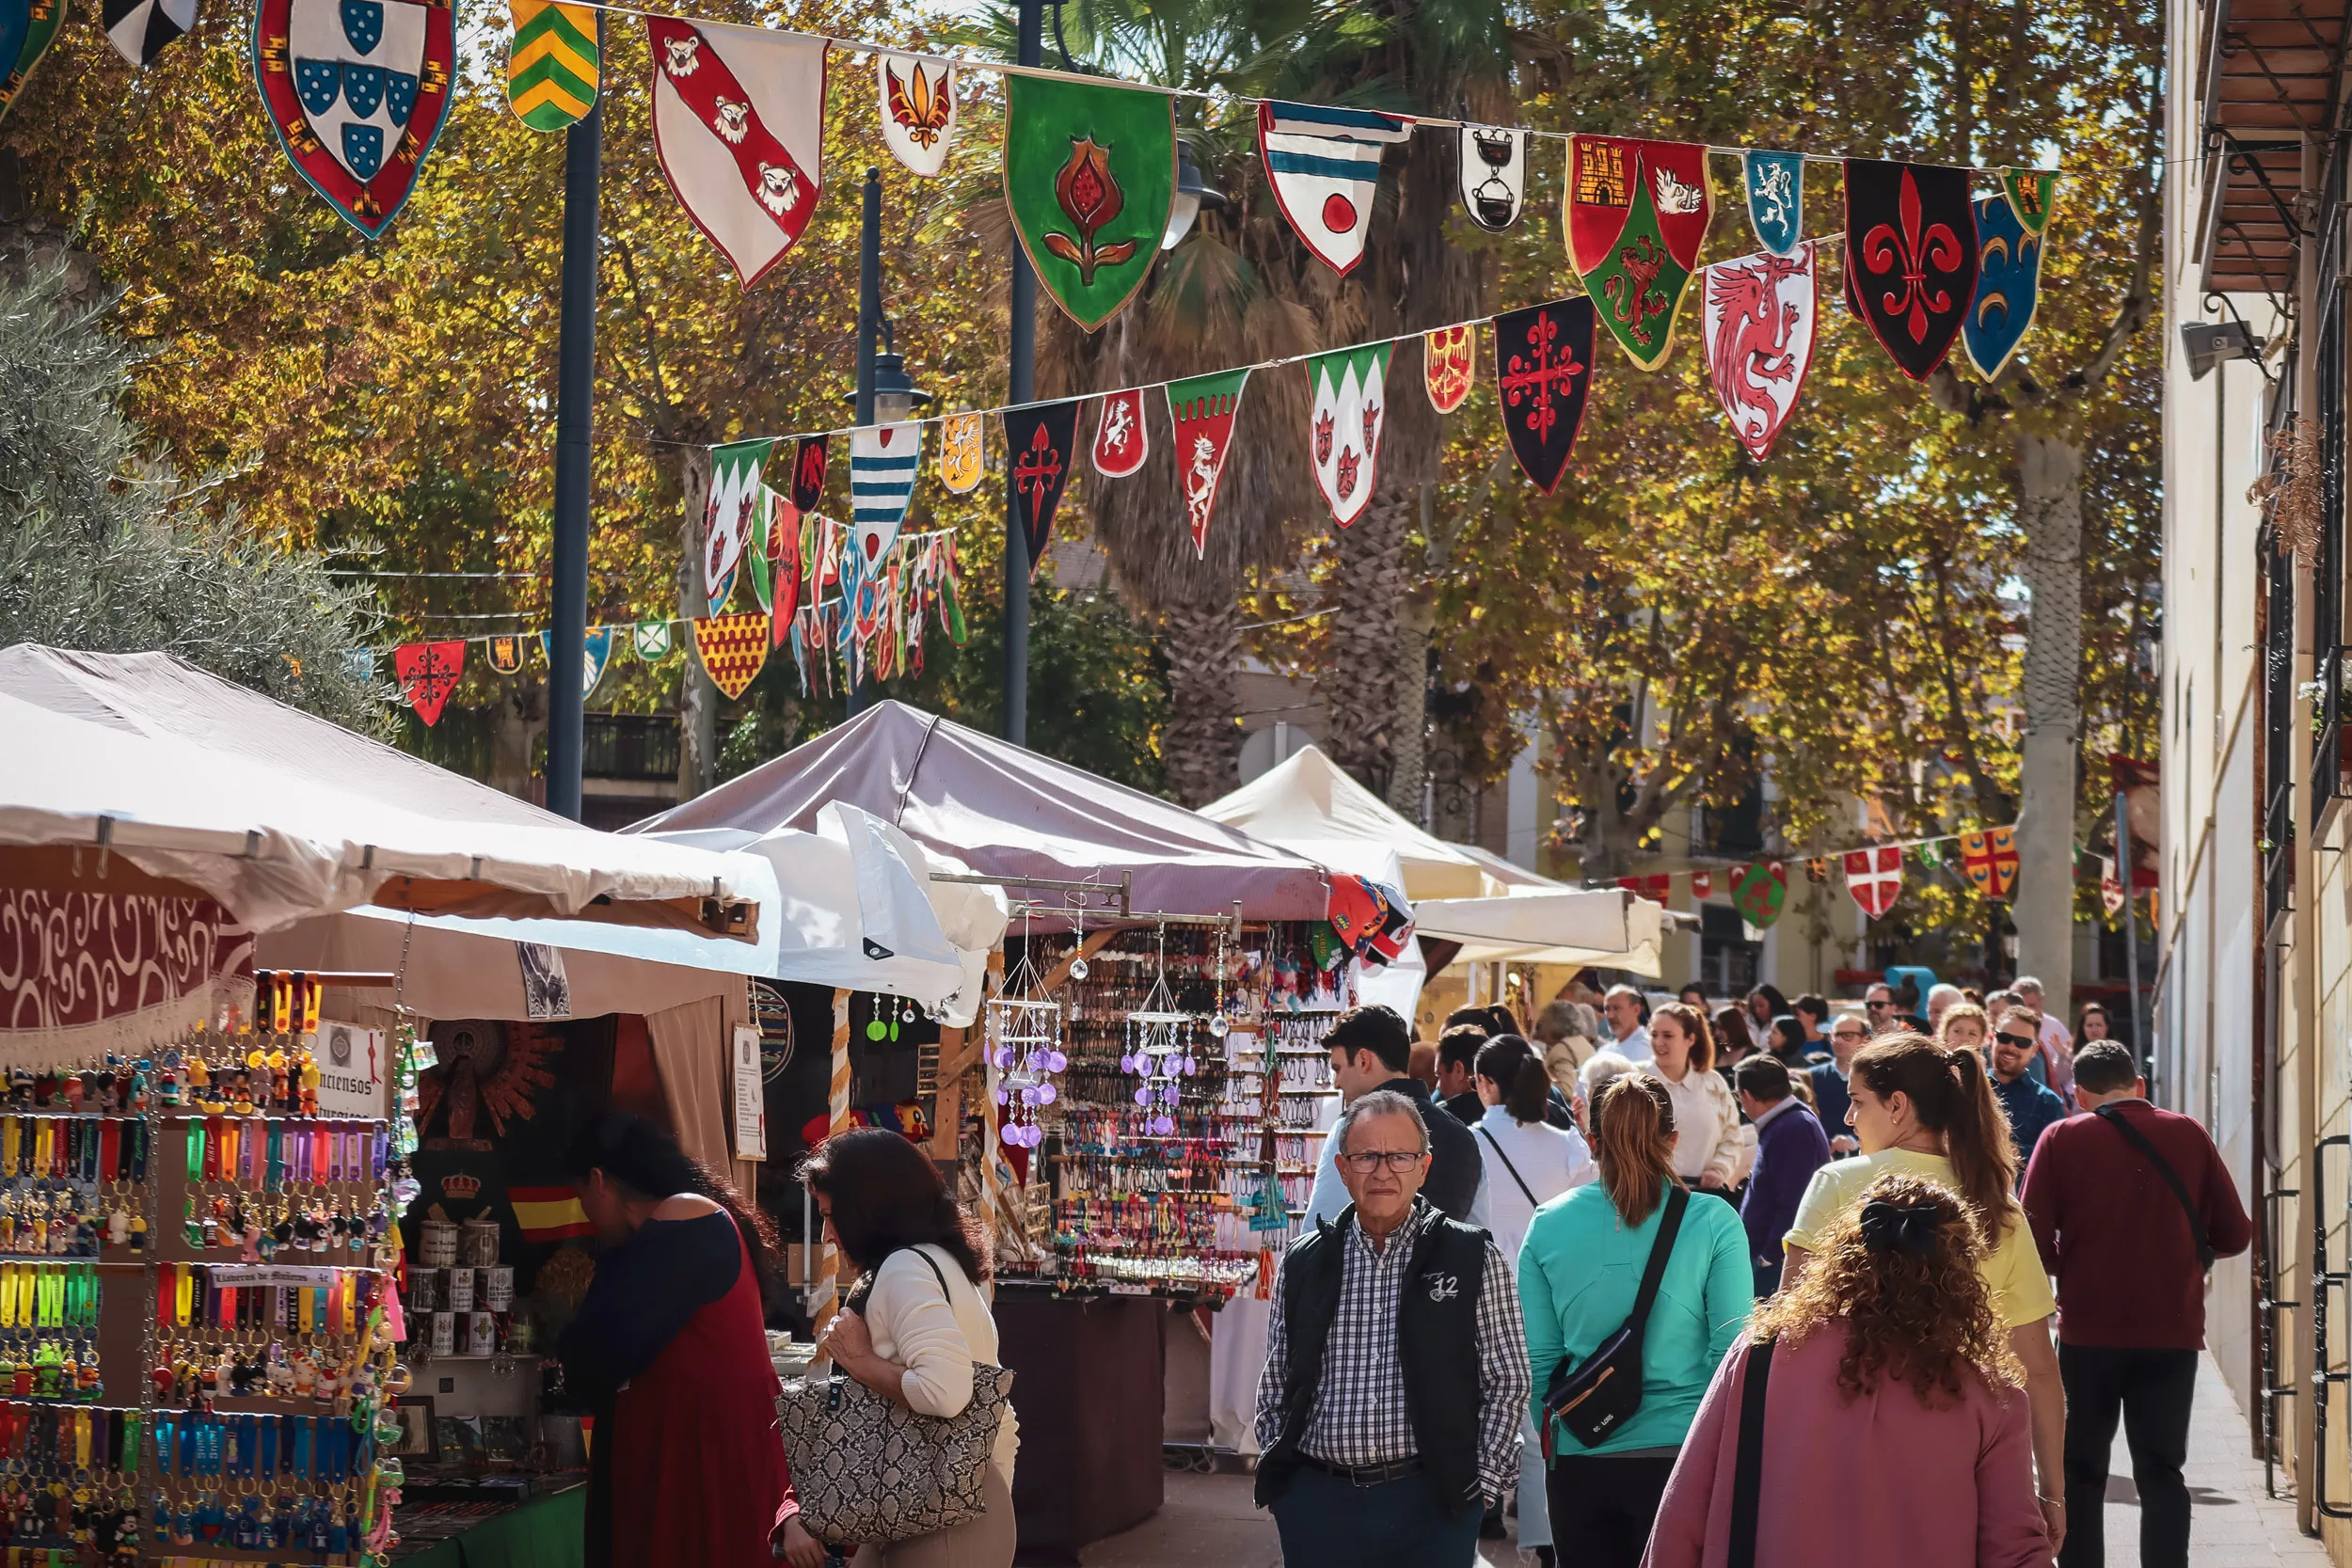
{"x": 867, "y": 1468}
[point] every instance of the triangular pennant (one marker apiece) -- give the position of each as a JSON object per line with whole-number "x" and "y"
{"x": 506, "y": 654}
{"x": 1351, "y": 404}
{"x": 1449, "y": 364}
{"x": 1775, "y": 189}
{"x": 1544, "y": 372}
{"x": 808, "y": 472}
{"x": 738, "y": 123}
{"x": 1090, "y": 178}
{"x": 1702, "y": 883}
{"x": 140, "y": 29}
{"x": 427, "y": 674}
{"x": 732, "y": 649}
{"x": 1041, "y": 441}
{"x": 650, "y": 641}
{"x": 784, "y": 566}
{"x": 2032, "y": 197}
{"x": 884, "y": 462}
{"x": 758, "y": 566}
{"x": 1202, "y": 409}
{"x": 553, "y": 68}
{"x": 1637, "y": 213}
{"x": 356, "y": 91}
{"x": 1120, "y": 443}
{"x": 595, "y": 651}
{"x": 1989, "y": 860}
{"x": 1911, "y": 257}
{"x": 2008, "y": 286}
{"x": 1760, "y": 316}
{"x": 728, "y": 514}
{"x": 918, "y": 109}
{"x": 1657, "y": 887}
{"x": 1875, "y": 879}
{"x": 41, "y": 20}
{"x": 962, "y": 451}
{"x": 1494, "y": 175}
{"x": 1324, "y": 164}
{"x": 1760, "y": 892}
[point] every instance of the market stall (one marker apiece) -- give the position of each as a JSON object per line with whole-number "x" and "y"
{"x": 1152, "y": 1035}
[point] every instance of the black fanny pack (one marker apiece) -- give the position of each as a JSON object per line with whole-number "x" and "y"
{"x": 1605, "y": 1392}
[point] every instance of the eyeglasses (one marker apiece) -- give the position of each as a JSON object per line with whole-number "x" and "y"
{"x": 1849, "y": 1033}
{"x": 1399, "y": 1160}
{"x": 2023, "y": 1042}
{"x": 1878, "y": 1006}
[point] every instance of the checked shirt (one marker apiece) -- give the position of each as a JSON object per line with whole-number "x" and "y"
{"x": 1358, "y": 1417}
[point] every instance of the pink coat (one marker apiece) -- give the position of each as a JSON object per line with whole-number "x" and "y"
{"x": 1883, "y": 1480}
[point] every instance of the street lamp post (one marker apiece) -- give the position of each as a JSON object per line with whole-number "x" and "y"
{"x": 575, "y": 414}
{"x": 1021, "y": 388}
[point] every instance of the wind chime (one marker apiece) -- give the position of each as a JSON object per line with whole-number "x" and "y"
{"x": 1159, "y": 1049}
{"x": 1024, "y": 1047}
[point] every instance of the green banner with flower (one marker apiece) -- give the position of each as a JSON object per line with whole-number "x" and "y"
{"x": 1090, "y": 177}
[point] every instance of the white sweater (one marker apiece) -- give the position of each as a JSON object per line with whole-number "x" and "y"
{"x": 937, "y": 1338}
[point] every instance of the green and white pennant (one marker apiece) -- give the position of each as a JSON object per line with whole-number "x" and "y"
{"x": 730, "y": 521}
{"x": 1351, "y": 404}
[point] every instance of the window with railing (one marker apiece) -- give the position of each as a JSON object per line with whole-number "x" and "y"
{"x": 628, "y": 745}
{"x": 2328, "y": 663}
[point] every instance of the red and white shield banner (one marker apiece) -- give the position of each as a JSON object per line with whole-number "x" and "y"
{"x": 1875, "y": 878}
{"x": 1758, "y": 314}
{"x": 738, "y": 122}
{"x": 1702, "y": 883}
{"x": 1120, "y": 442}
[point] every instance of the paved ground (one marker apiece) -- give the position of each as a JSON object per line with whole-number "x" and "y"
{"x": 1210, "y": 1523}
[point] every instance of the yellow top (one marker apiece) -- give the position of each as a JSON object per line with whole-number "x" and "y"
{"x": 2012, "y": 1272}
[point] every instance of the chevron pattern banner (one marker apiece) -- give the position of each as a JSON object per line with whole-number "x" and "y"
{"x": 551, "y": 75}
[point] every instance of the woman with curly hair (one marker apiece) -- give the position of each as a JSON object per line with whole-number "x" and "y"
{"x": 1919, "y": 1110}
{"x": 1891, "y": 1367}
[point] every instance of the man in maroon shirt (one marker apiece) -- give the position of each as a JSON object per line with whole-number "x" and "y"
{"x": 2131, "y": 1291}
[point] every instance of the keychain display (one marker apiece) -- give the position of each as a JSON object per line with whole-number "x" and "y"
{"x": 69, "y": 1479}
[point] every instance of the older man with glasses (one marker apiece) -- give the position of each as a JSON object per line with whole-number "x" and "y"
{"x": 1396, "y": 1370}
{"x": 1879, "y": 1002}
{"x": 1831, "y": 1099}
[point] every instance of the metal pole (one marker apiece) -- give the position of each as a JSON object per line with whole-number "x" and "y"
{"x": 1022, "y": 388}
{"x": 869, "y": 316}
{"x": 2141, "y": 1046}
{"x": 575, "y": 414}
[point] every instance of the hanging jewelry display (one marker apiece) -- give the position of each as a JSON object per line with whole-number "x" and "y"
{"x": 1025, "y": 1048}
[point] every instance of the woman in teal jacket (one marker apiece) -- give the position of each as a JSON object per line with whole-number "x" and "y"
{"x": 1579, "y": 1272}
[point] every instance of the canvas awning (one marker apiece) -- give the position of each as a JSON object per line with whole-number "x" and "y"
{"x": 1006, "y": 812}
{"x": 281, "y": 816}
{"x": 1605, "y": 926}
{"x": 1309, "y": 807}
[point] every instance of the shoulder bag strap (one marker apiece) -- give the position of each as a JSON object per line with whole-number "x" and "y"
{"x": 1747, "y": 1468}
{"x": 2113, "y": 1115}
{"x": 1677, "y": 1199}
{"x": 1507, "y": 1164}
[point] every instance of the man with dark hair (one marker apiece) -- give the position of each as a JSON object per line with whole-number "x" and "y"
{"x": 2031, "y": 1109}
{"x": 1831, "y": 1094}
{"x": 1457, "y": 1072}
{"x": 1370, "y": 1049}
{"x": 1813, "y": 1014}
{"x": 2128, "y": 1206}
{"x": 1789, "y": 1147}
{"x": 1879, "y": 1003}
{"x": 1396, "y": 1376}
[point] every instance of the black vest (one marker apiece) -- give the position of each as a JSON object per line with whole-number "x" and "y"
{"x": 1437, "y": 1342}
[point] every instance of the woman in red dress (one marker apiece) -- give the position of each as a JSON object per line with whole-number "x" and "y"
{"x": 670, "y": 1350}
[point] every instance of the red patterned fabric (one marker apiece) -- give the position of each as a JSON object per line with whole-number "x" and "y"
{"x": 83, "y": 974}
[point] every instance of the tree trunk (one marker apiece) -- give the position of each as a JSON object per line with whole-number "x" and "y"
{"x": 517, "y": 718}
{"x": 2050, "y": 473}
{"x": 1408, "y": 749}
{"x": 1359, "y": 683}
{"x": 698, "y": 699}
{"x": 1202, "y": 743}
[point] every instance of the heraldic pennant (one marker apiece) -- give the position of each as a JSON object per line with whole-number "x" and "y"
{"x": 357, "y": 91}
{"x": 808, "y": 472}
{"x": 1091, "y": 179}
{"x": 554, "y": 64}
{"x": 1449, "y": 364}
{"x": 2033, "y": 195}
{"x": 1120, "y": 443}
{"x": 883, "y": 463}
{"x": 1775, "y": 186}
{"x": 1637, "y": 214}
{"x": 1875, "y": 879}
{"x": 650, "y": 641}
{"x": 1350, "y": 404}
{"x": 732, "y": 647}
{"x": 1040, "y": 442}
{"x": 1759, "y": 893}
{"x": 2008, "y": 286}
{"x": 918, "y": 109}
{"x": 506, "y": 654}
{"x": 1760, "y": 316}
{"x": 730, "y": 513}
{"x": 140, "y": 29}
{"x": 427, "y": 674}
{"x": 1494, "y": 175}
{"x": 1544, "y": 374}
{"x": 962, "y": 451}
{"x": 1202, "y": 411}
{"x": 1324, "y": 164}
{"x": 35, "y": 22}
{"x": 1989, "y": 860}
{"x": 738, "y": 123}
{"x": 1911, "y": 257}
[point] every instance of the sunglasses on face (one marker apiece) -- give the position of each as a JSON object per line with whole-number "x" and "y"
{"x": 1878, "y": 1006}
{"x": 1399, "y": 1160}
{"x": 1849, "y": 1033}
{"x": 2023, "y": 1042}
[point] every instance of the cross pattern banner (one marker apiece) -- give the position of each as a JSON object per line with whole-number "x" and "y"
{"x": 1875, "y": 879}
{"x": 1040, "y": 442}
{"x": 1544, "y": 369}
